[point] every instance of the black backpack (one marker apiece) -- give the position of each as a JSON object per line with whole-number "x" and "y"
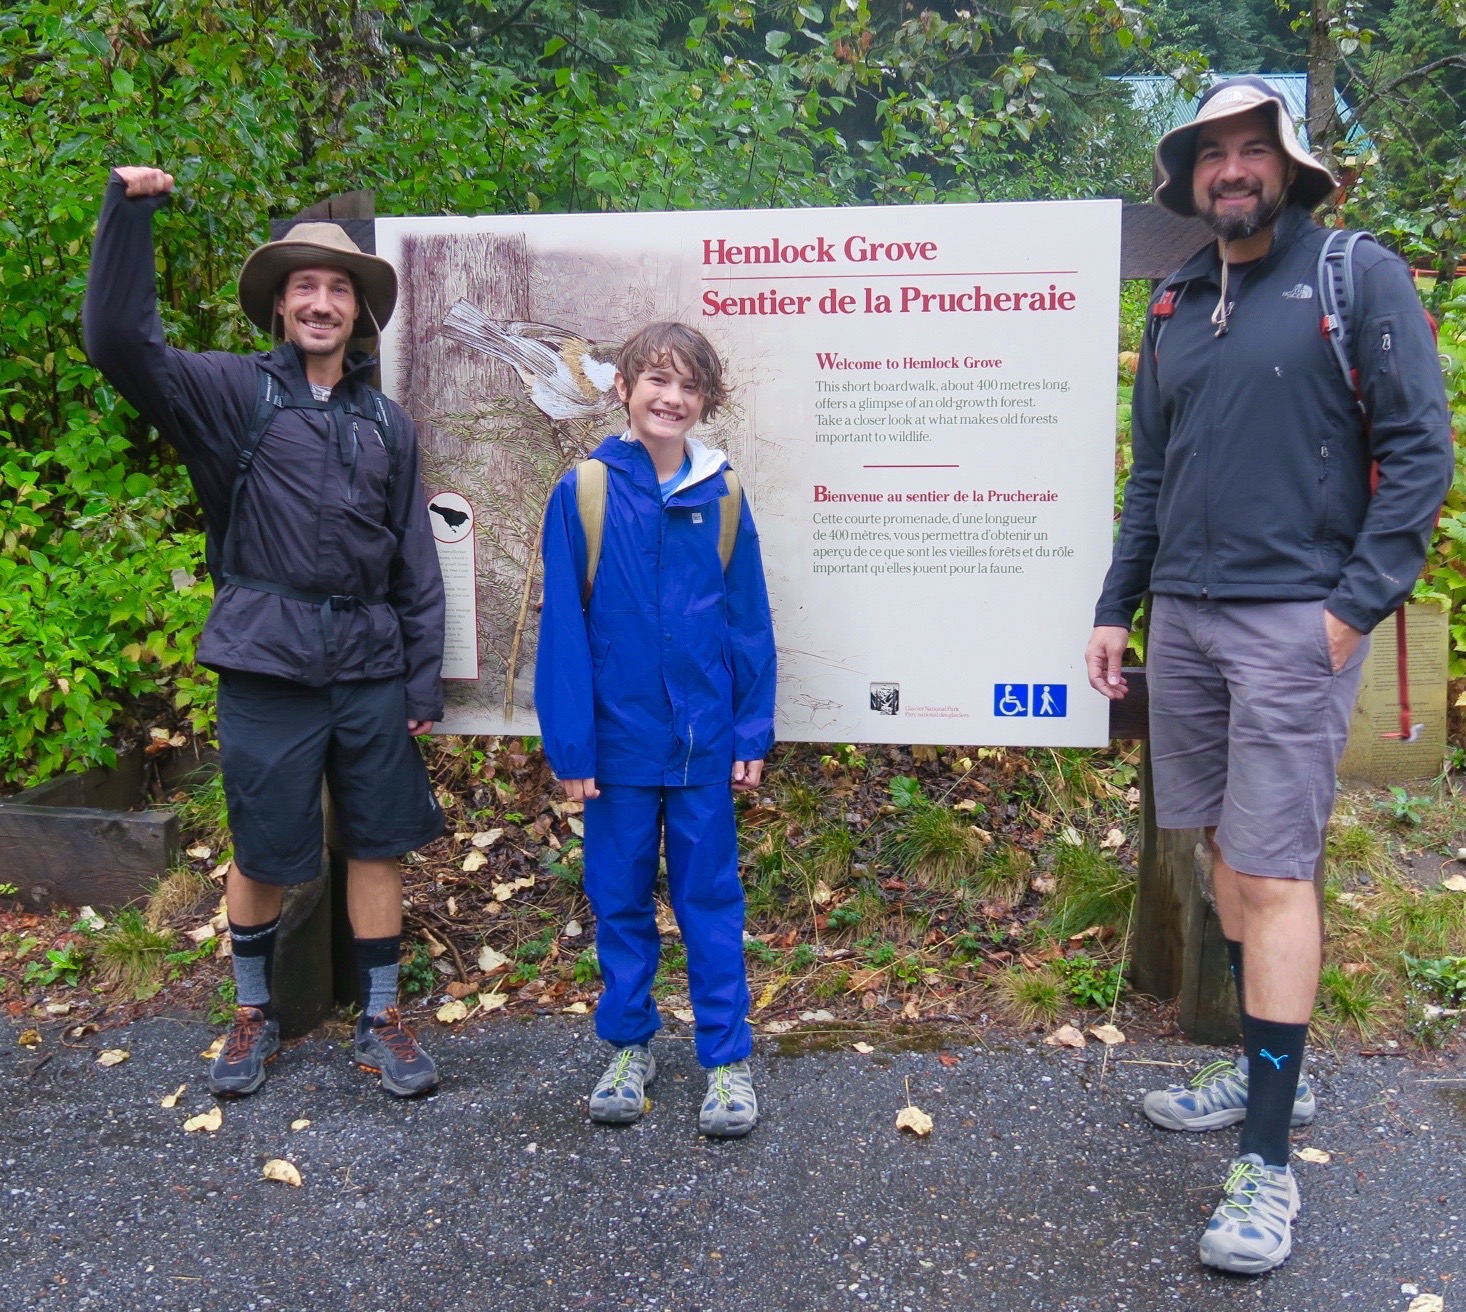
{"x": 271, "y": 400}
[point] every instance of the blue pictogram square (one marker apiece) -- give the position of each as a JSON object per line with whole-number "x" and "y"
{"x": 1051, "y": 700}
{"x": 1010, "y": 700}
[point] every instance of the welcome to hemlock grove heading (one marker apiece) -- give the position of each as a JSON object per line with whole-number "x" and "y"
{"x": 859, "y": 250}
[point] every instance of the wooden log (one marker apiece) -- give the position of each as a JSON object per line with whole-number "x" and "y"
{"x": 80, "y": 856}
{"x": 118, "y": 788}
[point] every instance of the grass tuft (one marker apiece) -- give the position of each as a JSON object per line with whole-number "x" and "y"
{"x": 1031, "y": 998}
{"x": 130, "y": 952}
{"x": 1090, "y": 890}
{"x": 935, "y": 846}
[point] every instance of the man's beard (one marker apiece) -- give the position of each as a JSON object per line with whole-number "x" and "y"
{"x": 1237, "y": 227}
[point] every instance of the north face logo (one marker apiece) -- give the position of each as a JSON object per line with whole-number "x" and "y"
{"x": 1299, "y": 292}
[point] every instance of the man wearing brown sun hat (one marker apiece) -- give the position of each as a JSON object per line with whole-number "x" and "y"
{"x": 328, "y": 616}
{"x": 1250, "y": 519}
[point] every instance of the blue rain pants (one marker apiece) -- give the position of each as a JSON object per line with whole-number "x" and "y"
{"x": 624, "y": 827}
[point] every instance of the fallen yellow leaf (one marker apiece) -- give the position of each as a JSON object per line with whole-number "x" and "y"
{"x": 475, "y": 860}
{"x": 771, "y": 991}
{"x": 210, "y": 1120}
{"x": 576, "y": 1009}
{"x": 214, "y": 1049}
{"x": 490, "y": 961}
{"x": 1107, "y": 1034}
{"x": 1455, "y": 883}
{"x": 30, "y": 1039}
{"x": 451, "y": 1011}
{"x": 685, "y": 1015}
{"x": 200, "y": 851}
{"x": 113, "y": 1057}
{"x": 492, "y": 1001}
{"x": 1315, "y": 1155}
{"x": 1427, "y": 1303}
{"x": 862, "y": 1047}
{"x": 299, "y": 1124}
{"x": 778, "y": 1026}
{"x": 1066, "y": 1036}
{"x": 914, "y": 1119}
{"x": 279, "y": 1169}
{"x": 171, "y": 1099}
{"x": 487, "y": 838}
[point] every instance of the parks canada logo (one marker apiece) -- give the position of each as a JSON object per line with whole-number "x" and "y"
{"x": 885, "y": 698}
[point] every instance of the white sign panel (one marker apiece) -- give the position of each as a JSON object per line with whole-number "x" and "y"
{"x": 923, "y": 418}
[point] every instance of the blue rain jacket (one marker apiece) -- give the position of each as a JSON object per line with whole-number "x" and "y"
{"x": 666, "y": 677}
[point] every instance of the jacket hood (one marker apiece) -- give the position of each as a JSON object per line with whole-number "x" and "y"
{"x": 620, "y": 451}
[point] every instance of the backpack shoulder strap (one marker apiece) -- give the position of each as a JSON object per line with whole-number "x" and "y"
{"x": 1335, "y": 279}
{"x": 1161, "y": 314}
{"x": 391, "y": 439}
{"x": 269, "y": 399}
{"x": 729, "y": 510}
{"x": 590, "y": 505}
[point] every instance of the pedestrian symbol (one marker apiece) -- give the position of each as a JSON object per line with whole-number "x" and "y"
{"x": 1051, "y": 699}
{"x": 1010, "y": 699}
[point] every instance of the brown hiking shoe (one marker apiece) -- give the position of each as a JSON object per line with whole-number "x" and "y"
{"x": 251, "y": 1042}
{"x": 385, "y": 1045}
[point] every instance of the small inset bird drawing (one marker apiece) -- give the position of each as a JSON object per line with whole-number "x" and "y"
{"x": 565, "y": 375}
{"x": 452, "y": 518}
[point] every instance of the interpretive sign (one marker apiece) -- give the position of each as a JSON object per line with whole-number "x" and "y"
{"x": 923, "y": 420}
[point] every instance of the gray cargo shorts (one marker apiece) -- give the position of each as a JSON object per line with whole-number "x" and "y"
{"x": 1248, "y": 720}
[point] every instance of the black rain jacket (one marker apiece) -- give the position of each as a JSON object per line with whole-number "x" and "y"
{"x": 1250, "y": 479}
{"x": 312, "y": 513}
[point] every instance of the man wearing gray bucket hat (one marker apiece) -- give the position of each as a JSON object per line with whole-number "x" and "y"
{"x": 1249, "y": 519}
{"x": 328, "y": 616}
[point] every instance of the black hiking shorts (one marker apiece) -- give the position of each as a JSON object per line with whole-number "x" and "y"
{"x": 278, "y": 740}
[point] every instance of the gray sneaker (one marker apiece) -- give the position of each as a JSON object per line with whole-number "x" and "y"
{"x": 239, "y": 1069}
{"x": 1216, "y": 1098}
{"x": 1252, "y": 1229}
{"x": 730, "y": 1109}
{"x": 620, "y": 1096}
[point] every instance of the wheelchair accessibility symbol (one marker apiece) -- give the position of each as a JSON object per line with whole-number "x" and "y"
{"x": 1010, "y": 699}
{"x": 1041, "y": 700}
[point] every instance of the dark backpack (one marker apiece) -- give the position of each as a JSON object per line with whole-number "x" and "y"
{"x": 272, "y": 399}
{"x": 1334, "y": 279}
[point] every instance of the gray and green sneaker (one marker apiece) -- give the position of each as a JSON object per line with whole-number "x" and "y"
{"x": 1252, "y": 1229}
{"x": 619, "y": 1098}
{"x": 239, "y": 1069}
{"x": 1216, "y": 1098}
{"x": 730, "y": 1109}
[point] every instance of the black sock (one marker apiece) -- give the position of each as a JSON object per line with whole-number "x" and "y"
{"x": 1234, "y": 964}
{"x": 253, "y": 950}
{"x": 1274, "y": 1062}
{"x": 376, "y": 973}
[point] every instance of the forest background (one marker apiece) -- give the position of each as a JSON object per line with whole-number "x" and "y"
{"x": 261, "y": 107}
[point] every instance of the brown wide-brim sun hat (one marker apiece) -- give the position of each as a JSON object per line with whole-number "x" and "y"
{"x": 313, "y": 246}
{"x": 1175, "y": 153}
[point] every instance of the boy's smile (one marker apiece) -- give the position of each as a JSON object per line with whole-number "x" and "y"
{"x": 662, "y": 404}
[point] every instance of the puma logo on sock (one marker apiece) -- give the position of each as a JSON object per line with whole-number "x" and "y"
{"x": 1276, "y": 1061}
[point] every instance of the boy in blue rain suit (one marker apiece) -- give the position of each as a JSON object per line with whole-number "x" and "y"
{"x": 654, "y": 694}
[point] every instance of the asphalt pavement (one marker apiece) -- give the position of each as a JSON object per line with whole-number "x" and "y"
{"x": 1041, "y": 1186}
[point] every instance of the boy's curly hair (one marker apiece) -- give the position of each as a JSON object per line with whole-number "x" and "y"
{"x": 659, "y": 344}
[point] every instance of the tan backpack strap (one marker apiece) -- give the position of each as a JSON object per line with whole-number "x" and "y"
{"x": 729, "y": 509}
{"x": 590, "y": 505}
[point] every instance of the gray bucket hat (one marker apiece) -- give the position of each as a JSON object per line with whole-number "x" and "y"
{"x": 317, "y": 245}
{"x": 1175, "y": 153}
